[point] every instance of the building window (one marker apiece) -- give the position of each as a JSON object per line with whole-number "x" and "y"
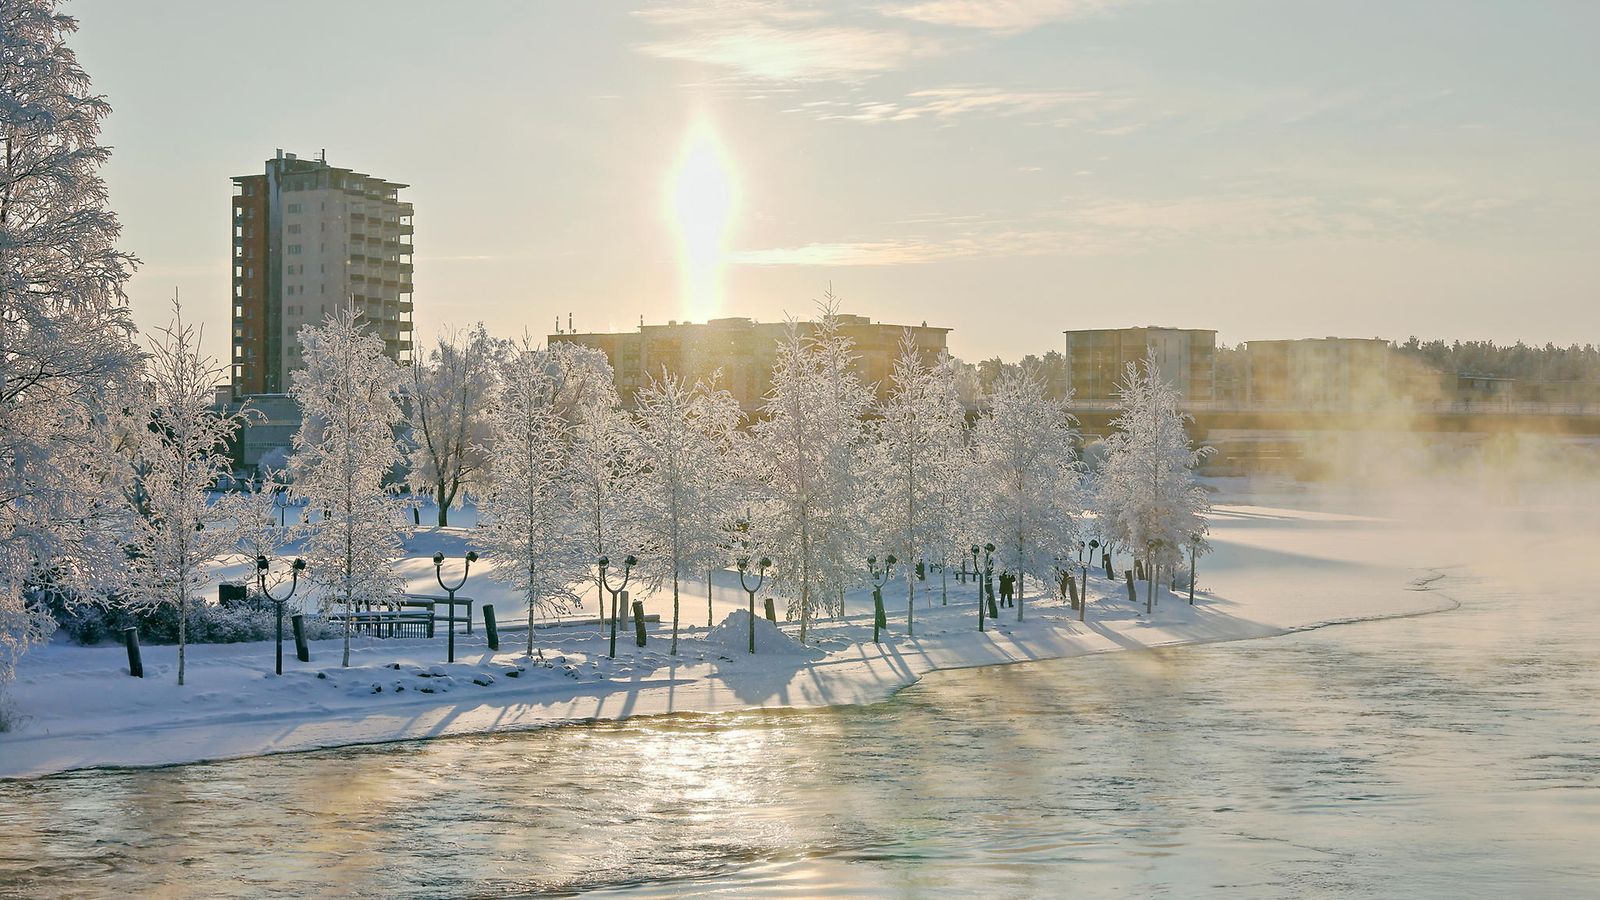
{"x": 294, "y": 249}
{"x": 294, "y": 229}
{"x": 294, "y": 207}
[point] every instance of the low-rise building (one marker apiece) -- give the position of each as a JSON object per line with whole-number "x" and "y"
{"x": 1097, "y": 358}
{"x": 744, "y": 351}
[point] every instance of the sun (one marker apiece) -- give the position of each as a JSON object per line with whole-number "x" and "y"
{"x": 701, "y": 200}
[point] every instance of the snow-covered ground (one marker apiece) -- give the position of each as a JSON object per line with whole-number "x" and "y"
{"x": 1274, "y": 570}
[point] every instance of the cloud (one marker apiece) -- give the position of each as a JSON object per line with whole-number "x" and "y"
{"x": 1113, "y": 227}
{"x": 810, "y": 53}
{"x": 779, "y": 41}
{"x": 1005, "y": 16}
{"x": 947, "y": 104}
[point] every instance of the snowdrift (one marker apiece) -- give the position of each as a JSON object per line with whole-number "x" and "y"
{"x": 733, "y": 633}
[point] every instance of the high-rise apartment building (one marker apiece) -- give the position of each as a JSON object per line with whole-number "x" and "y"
{"x": 307, "y": 237}
{"x": 1096, "y": 359}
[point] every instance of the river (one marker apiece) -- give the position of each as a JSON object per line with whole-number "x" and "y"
{"x": 1412, "y": 757}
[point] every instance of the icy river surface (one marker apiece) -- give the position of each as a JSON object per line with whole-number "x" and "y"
{"x": 1455, "y": 754}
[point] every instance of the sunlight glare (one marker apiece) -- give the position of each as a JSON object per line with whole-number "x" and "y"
{"x": 701, "y": 198}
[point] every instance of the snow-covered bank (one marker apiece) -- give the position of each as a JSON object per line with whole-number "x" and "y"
{"x": 1274, "y": 570}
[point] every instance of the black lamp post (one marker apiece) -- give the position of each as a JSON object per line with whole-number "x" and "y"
{"x": 295, "y": 568}
{"x": 743, "y": 563}
{"x": 879, "y": 577}
{"x": 977, "y": 581}
{"x": 628, "y": 562}
{"x": 438, "y": 573}
{"x": 988, "y": 578}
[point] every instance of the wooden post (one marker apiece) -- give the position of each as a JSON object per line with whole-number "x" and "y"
{"x": 130, "y": 637}
{"x": 1072, "y": 585}
{"x": 772, "y": 612}
{"x": 1133, "y": 593}
{"x": 1191, "y": 574}
{"x": 988, "y": 587}
{"x": 638, "y": 622}
{"x": 298, "y": 620}
{"x": 490, "y": 629}
{"x": 1105, "y": 560}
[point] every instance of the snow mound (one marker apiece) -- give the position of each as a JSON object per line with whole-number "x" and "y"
{"x": 733, "y": 633}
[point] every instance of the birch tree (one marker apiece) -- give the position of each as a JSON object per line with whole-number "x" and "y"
{"x": 345, "y": 447}
{"x": 1026, "y": 472}
{"x": 66, "y": 351}
{"x": 1148, "y": 499}
{"x": 449, "y": 418}
{"x": 182, "y": 452}
{"x": 808, "y": 444}
{"x": 528, "y": 494}
{"x": 920, "y": 437}
{"x": 602, "y": 460}
{"x": 686, "y": 440}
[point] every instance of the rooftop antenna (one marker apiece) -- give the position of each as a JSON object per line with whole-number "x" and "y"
{"x": 641, "y": 321}
{"x": 558, "y": 324}
{"x": 569, "y": 323}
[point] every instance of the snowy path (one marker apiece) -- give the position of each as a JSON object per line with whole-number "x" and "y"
{"x": 1274, "y": 570}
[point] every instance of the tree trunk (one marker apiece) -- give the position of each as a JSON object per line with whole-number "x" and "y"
{"x": 674, "y": 650}
{"x": 1018, "y": 589}
{"x": 708, "y": 598}
{"x": 183, "y": 622}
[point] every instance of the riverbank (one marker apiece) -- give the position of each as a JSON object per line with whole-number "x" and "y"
{"x": 1274, "y": 570}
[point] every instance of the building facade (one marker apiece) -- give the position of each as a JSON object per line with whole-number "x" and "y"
{"x": 307, "y": 237}
{"x": 1336, "y": 374}
{"x": 744, "y": 351}
{"x": 1096, "y": 358}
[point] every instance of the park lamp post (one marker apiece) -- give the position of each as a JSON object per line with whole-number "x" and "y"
{"x": 295, "y": 568}
{"x": 628, "y": 562}
{"x": 976, "y": 580}
{"x": 438, "y": 574}
{"x": 879, "y": 578}
{"x": 988, "y": 578}
{"x": 762, "y": 564}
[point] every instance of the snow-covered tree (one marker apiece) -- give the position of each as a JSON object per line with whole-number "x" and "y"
{"x": 809, "y": 463}
{"x": 1148, "y": 500}
{"x": 1027, "y": 478}
{"x": 920, "y": 443}
{"x": 448, "y": 405}
{"x": 346, "y": 445}
{"x": 261, "y": 525}
{"x": 528, "y": 492}
{"x": 182, "y": 449}
{"x": 687, "y": 438}
{"x": 66, "y": 348}
{"x": 601, "y": 455}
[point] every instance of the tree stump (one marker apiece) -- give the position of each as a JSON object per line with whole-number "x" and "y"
{"x": 301, "y": 651}
{"x": 130, "y": 637}
{"x": 490, "y": 629}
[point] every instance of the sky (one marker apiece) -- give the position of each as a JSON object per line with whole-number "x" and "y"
{"x": 1005, "y": 168}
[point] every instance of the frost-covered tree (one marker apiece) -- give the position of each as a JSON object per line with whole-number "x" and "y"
{"x": 687, "y": 437}
{"x": 346, "y": 445}
{"x": 261, "y": 525}
{"x": 1148, "y": 500}
{"x": 1027, "y": 478}
{"x": 809, "y": 457}
{"x": 66, "y": 348}
{"x": 528, "y": 492}
{"x": 602, "y": 460}
{"x": 920, "y": 444}
{"x": 181, "y": 446}
{"x": 448, "y": 405}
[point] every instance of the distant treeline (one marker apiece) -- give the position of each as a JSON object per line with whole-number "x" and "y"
{"x": 1519, "y": 361}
